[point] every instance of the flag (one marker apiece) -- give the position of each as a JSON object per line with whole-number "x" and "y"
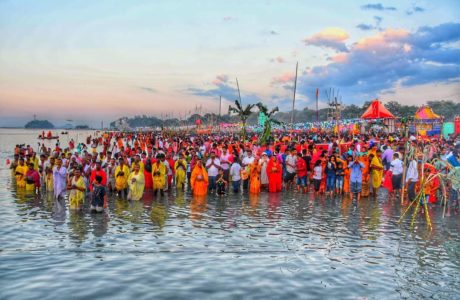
{"x": 316, "y": 93}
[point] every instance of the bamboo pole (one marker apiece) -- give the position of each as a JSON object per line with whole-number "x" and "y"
{"x": 406, "y": 154}
{"x": 293, "y": 99}
{"x": 239, "y": 94}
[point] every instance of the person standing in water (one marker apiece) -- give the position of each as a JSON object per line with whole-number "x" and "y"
{"x": 136, "y": 183}
{"x": 97, "y": 201}
{"x": 77, "y": 190}
{"x": 59, "y": 179}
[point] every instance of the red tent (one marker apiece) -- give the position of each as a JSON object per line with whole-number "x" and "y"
{"x": 377, "y": 111}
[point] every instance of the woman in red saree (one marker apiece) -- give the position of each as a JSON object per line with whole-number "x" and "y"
{"x": 274, "y": 172}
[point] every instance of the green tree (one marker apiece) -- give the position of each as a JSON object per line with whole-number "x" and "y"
{"x": 243, "y": 113}
{"x": 265, "y": 136}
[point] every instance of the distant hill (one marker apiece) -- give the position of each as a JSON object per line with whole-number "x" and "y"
{"x": 39, "y": 124}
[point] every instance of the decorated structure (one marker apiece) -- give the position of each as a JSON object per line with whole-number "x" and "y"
{"x": 427, "y": 123}
{"x": 378, "y": 114}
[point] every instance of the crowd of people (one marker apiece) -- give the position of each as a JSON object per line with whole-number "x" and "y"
{"x": 126, "y": 164}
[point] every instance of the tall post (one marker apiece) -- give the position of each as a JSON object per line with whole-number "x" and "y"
{"x": 220, "y": 111}
{"x": 317, "y": 112}
{"x": 293, "y": 98}
{"x": 239, "y": 94}
{"x": 220, "y": 106}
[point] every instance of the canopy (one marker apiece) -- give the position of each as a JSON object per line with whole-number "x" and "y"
{"x": 377, "y": 111}
{"x": 426, "y": 113}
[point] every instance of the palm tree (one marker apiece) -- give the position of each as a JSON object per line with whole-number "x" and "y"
{"x": 243, "y": 114}
{"x": 269, "y": 120}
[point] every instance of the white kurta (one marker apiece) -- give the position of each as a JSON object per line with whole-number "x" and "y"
{"x": 59, "y": 180}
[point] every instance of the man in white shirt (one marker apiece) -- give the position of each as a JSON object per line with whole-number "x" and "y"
{"x": 412, "y": 178}
{"x": 247, "y": 160}
{"x": 213, "y": 166}
{"x": 235, "y": 175}
{"x": 291, "y": 166}
{"x": 396, "y": 167}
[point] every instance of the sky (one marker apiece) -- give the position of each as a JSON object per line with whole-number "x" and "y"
{"x": 96, "y": 61}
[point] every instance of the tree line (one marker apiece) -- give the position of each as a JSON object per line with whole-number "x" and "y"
{"x": 446, "y": 108}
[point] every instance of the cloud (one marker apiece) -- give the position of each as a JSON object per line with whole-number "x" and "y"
{"x": 383, "y": 60}
{"x": 365, "y": 27}
{"x": 378, "y": 21}
{"x": 148, "y": 89}
{"x": 220, "y": 79}
{"x": 285, "y": 80}
{"x": 333, "y": 38}
{"x": 377, "y": 6}
{"x": 427, "y": 37}
{"x": 383, "y": 40}
{"x": 340, "y": 57}
{"x": 221, "y": 87}
{"x": 278, "y": 59}
{"x": 415, "y": 9}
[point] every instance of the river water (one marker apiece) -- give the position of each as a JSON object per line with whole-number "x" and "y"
{"x": 272, "y": 246}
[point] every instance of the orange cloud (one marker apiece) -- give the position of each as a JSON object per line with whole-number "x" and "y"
{"x": 339, "y": 58}
{"x": 220, "y": 79}
{"x": 387, "y": 38}
{"x": 287, "y": 77}
{"x": 330, "y": 38}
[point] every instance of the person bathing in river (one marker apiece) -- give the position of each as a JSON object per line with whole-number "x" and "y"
{"x": 99, "y": 194}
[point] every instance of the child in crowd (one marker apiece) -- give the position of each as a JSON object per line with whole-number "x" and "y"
{"x": 317, "y": 175}
{"x": 221, "y": 183}
{"x": 339, "y": 176}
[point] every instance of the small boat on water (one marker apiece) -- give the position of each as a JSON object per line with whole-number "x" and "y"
{"x": 40, "y": 137}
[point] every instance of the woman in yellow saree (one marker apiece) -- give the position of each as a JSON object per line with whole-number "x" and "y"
{"x": 377, "y": 172}
{"x": 77, "y": 190}
{"x": 121, "y": 177}
{"x": 136, "y": 184}
{"x": 159, "y": 176}
{"x": 20, "y": 173}
{"x": 180, "y": 166}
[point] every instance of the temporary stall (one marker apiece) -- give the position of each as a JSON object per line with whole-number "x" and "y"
{"x": 427, "y": 123}
{"x": 377, "y": 111}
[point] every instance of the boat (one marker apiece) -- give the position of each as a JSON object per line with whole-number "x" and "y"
{"x": 40, "y": 137}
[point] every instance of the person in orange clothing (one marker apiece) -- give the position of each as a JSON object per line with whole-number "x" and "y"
{"x": 254, "y": 177}
{"x": 322, "y": 187}
{"x": 346, "y": 177}
{"x": 199, "y": 180}
{"x": 274, "y": 170}
{"x": 366, "y": 175}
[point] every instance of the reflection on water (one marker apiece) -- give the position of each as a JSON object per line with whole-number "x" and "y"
{"x": 158, "y": 214}
{"x": 274, "y": 246}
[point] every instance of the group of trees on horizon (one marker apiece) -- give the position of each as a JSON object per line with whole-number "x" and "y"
{"x": 45, "y": 124}
{"x": 446, "y": 108}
